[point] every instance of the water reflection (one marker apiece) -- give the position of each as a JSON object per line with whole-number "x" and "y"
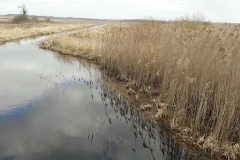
{"x": 143, "y": 134}
{"x": 54, "y": 107}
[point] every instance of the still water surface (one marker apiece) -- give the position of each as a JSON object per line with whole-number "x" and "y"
{"x": 54, "y": 107}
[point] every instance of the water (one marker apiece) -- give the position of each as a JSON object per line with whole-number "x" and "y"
{"x": 55, "y": 107}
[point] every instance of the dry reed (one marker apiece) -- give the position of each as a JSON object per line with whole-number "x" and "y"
{"x": 192, "y": 74}
{"x": 194, "y": 70}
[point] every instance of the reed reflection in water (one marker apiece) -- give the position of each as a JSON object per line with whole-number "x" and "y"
{"x": 55, "y": 107}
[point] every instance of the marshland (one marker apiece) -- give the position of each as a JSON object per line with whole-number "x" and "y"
{"x": 187, "y": 70}
{"x": 59, "y": 107}
{"x": 119, "y": 90}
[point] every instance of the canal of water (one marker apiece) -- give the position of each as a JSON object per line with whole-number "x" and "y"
{"x": 55, "y": 107}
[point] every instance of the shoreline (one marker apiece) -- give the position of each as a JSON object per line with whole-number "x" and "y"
{"x": 143, "y": 98}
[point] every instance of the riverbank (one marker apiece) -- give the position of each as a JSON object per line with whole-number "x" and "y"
{"x": 81, "y": 44}
{"x": 60, "y": 101}
{"x": 10, "y": 32}
{"x": 186, "y": 78}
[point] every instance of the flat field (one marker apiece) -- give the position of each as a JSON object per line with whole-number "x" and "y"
{"x": 10, "y": 31}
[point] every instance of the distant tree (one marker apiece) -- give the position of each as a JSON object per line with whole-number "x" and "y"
{"x": 23, "y": 9}
{"x": 23, "y": 17}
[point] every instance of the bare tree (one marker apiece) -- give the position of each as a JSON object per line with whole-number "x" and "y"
{"x": 23, "y": 9}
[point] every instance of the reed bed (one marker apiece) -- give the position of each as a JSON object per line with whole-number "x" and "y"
{"x": 190, "y": 74}
{"x": 12, "y": 32}
{"x": 193, "y": 75}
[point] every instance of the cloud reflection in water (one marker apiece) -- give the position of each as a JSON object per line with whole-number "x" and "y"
{"x": 52, "y": 107}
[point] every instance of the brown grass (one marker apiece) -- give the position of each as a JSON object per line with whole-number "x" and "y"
{"x": 195, "y": 71}
{"x": 191, "y": 74}
{"x": 82, "y": 43}
{"x": 9, "y": 32}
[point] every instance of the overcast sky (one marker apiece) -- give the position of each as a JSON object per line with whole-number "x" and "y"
{"x": 214, "y": 10}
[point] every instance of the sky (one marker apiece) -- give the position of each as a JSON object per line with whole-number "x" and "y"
{"x": 213, "y": 10}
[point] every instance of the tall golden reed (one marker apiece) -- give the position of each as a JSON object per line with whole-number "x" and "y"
{"x": 195, "y": 70}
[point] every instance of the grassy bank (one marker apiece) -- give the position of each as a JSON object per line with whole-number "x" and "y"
{"x": 83, "y": 44}
{"x": 189, "y": 74}
{"x": 9, "y": 31}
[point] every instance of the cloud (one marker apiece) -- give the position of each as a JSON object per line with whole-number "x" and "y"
{"x": 23, "y": 65}
{"x": 115, "y": 9}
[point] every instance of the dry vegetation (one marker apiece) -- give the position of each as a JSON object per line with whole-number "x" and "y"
{"x": 9, "y": 32}
{"x": 83, "y": 43}
{"x": 194, "y": 74}
{"x": 191, "y": 74}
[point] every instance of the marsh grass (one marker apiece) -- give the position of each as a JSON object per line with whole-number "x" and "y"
{"x": 190, "y": 74}
{"x": 68, "y": 45}
{"x": 35, "y": 19}
{"x": 10, "y": 32}
{"x": 82, "y": 43}
{"x": 195, "y": 70}
{"x": 20, "y": 19}
{"x": 194, "y": 21}
{"x": 26, "y": 19}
